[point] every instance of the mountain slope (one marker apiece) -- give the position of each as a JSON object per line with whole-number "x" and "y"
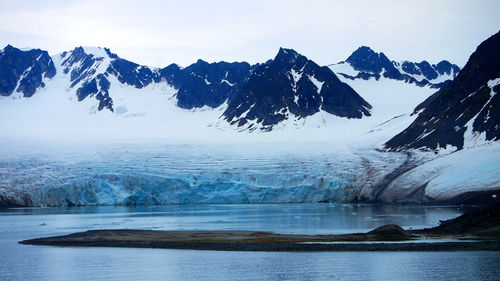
{"x": 364, "y": 63}
{"x": 465, "y": 112}
{"x": 24, "y": 71}
{"x": 291, "y": 86}
{"x": 206, "y": 84}
{"x": 463, "y": 177}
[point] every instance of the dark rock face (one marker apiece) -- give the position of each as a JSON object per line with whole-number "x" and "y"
{"x": 470, "y": 102}
{"x": 98, "y": 87}
{"x": 206, "y": 84}
{"x": 365, "y": 59}
{"x": 445, "y": 67}
{"x": 427, "y": 70}
{"x": 131, "y": 73}
{"x": 374, "y": 65}
{"x": 292, "y": 84}
{"x": 409, "y": 67}
{"x": 24, "y": 71}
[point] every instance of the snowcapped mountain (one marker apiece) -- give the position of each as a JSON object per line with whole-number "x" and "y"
{"x": 364, "y": 63}
{"x": 88, "y": 72}
{"x": 289, "y": 87}
{"x": 93, "y": 92}
{"x": 464, "y": 113}
{"x": 333, "y": 124}
{"x": 200, "y": 84}
{"x": 461, "y": 124}
{"x": 292, "y": 86}
{"x": 206, "y": 84}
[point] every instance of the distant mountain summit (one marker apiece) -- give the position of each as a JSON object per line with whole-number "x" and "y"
{"x": 206, "y": 84}
{"x": 89, "y": 71}
{"x": 289, "y": 86}
{"x": 464, "y": 112}
{"x": 364, "y": 63}
{"x": 24, "y": 71}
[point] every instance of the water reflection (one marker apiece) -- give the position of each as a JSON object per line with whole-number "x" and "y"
{"x": 283, "y": 218}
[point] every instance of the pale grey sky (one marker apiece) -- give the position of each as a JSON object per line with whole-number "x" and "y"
{"x": 157, "y": 33}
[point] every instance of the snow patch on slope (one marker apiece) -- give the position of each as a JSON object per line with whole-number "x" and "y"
{"x": 98, "y": 52}
{"x": 473, "y": 138}
{"x": 227, "y": 82}
{"x": 345, "y": 68}
{"x": 317, "y": 83}
{"x": 463, "y": 171}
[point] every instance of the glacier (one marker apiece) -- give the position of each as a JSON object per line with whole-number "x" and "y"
{"x": 179, "y": 174}
{"x": 58, "y": 174}
{"x": 449, "y": 176}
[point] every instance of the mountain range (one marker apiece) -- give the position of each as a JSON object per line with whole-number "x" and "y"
{"x": 382, "y": 118}
{"x": 292, "y": 85}
{"x": 366, "y": 63}
{"x": 253, "y": 97}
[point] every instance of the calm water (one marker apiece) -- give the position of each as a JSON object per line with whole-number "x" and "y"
{"x": 22, "y": 262}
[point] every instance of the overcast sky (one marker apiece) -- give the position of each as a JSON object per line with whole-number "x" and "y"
{"x": 158, "y": 33}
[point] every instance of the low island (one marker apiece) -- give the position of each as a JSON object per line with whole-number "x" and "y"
{"x": 477, "y": 230}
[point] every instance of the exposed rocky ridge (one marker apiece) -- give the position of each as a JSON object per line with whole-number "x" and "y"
{"x": 24, "y": 71}
{"x": 370, "y": 64}
{"x": 464, "y": 112}
{"x": 89, "y": 70}
{"x": 89, "y": 73}
{"x": 292, "y": 86}
{"x": 206, "y": 84}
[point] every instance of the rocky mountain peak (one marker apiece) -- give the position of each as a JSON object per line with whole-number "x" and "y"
{"x": 24, "y": 71}
{"x": 291, "y": 86}
{"x": 368, "y": 64}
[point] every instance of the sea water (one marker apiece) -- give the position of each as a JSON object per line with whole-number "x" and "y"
{"x": 26, "y": 262}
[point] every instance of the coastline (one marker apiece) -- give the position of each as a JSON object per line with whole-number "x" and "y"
{"x": 295, "y": 247}
{"x": 479, "y": 230}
